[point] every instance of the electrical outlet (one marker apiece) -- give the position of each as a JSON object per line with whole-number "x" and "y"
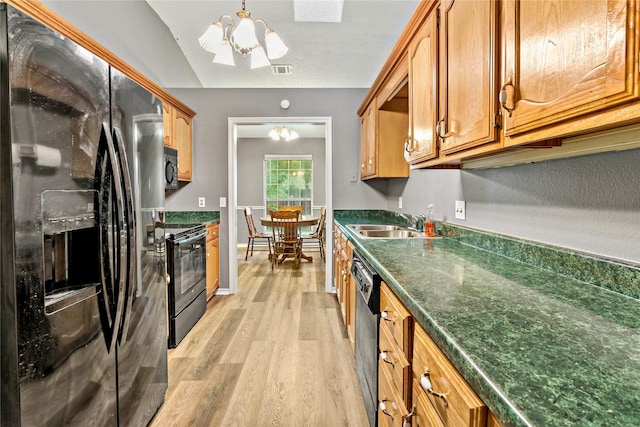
{"x": 399, "y": 202}
{"x": 201, "y": 202}
{"x": 461, "y": 209}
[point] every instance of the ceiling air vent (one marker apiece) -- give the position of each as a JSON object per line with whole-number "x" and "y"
{"x": 281, "y": 69}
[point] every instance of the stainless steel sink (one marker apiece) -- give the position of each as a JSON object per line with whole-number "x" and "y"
{"x": 359, "y": 227}
{"x": 384, "y": 231}
{"x": 391, "y": 234}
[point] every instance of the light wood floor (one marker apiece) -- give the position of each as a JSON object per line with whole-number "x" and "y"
{"x": 274, "y": 354}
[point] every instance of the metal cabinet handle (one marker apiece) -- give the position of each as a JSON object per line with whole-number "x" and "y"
{"x": 408, "y": 146}
{"x": 406, "y": 422}
{"x": 388, "y": 410}
{"x": 425, "y": 383}
{"x": 507, "y": 93}
{"x": 441, "y": 130}
{"x": 386, "y": 358}
{"x": 385, "y": 316}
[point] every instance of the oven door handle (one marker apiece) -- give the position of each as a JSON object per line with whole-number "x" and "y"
{"x": 201, "y": 235}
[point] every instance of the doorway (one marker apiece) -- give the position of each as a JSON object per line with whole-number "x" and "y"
{"x": 234, "y": 127}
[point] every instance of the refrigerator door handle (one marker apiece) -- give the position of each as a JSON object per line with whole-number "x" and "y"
{"x": 113, "y": 237}
{"x": 131, "y": 247}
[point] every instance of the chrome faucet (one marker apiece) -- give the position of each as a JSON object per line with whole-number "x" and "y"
{"x": 421, "y": 221}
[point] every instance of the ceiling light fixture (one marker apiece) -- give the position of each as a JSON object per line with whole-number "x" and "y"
{"x": 220, "y": 39}
{"x": 282, "y": 132}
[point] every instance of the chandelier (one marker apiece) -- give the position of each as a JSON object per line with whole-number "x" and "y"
{"x": 221, "y": 39}
{"x": 283, "y": 133}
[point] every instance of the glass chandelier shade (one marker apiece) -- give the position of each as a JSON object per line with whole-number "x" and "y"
{"x": 219, "y": 39}
{"x": 279, "y": 133}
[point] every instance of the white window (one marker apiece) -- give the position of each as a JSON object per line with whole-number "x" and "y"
{"x": 288, "y": 181}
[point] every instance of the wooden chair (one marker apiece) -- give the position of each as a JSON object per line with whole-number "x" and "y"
{"x": 286, "y": 236}
{"x": 291, "y": 208}
{"x": 318, "y": 233}
{"x": 254, "y": 233}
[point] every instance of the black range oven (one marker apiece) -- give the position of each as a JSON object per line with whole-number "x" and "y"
{"x": 186, "y": 265}
{"x": 366, "y": 341}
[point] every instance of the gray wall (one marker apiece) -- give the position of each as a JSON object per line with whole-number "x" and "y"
{"x": 210, "y": 170}
{"x": 589, "y": 203}
{"x": 250, "y": 154}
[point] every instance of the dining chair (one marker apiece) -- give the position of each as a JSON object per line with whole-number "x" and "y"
{"x": 286, "y": 236}
{"x": 254, "y": 233}
{"x": 318, "y": 233}
{"x": 291, "y": 208}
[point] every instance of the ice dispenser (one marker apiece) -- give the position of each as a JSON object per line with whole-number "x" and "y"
{"x": 71, "y": 247}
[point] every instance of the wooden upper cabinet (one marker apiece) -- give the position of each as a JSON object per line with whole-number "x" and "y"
{"x": 564, "y": 59}
{"x": 421, "y": 143}
{"x": 384, "y": 125}
{"x": 368, "y": 142}
{"x": 183, "y": 141}
{"x": 178, "y": 134}
{"x": 468, "y": 89}
{"x": 167, "y": 124}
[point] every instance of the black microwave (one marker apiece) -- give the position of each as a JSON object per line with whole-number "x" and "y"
{"x": 170, "y": 168}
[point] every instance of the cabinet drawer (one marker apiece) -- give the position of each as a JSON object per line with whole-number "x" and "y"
{"x": 455, "y": 402}
{"x": 391, "y": 409}
{"x": 212, "y": 231}
{"x": 397, "y": 318}
{"x": 424, "y": 414}
{"x": 393, "y": 359}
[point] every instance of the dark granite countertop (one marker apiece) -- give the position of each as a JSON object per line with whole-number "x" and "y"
{"x": 539, "y": 347}
{"x": 183, "y": 219}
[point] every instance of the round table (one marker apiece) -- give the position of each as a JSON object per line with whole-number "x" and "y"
{"x": 304, "y": 221}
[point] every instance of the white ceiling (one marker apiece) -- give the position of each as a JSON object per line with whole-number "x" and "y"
{"x": 160, "y": 39}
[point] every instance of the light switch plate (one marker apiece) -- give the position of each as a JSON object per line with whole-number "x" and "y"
{"x": 223, "y": 202}
{"x": 461, "y": 209}
{"x": 399, "y": 202}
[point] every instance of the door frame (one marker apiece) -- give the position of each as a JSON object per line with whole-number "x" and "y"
{"x": 233, "y": 123}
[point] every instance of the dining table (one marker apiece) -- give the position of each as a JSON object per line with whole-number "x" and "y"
{"x": 303, "y": 221}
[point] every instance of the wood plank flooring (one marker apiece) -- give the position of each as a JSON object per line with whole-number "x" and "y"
{"x": 274, "y": 354}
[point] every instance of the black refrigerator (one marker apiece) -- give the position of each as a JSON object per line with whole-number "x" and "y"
{"x": 83, "y": 327}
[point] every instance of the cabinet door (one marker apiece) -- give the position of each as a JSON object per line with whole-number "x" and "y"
{"x": 469, "y": 96}
{"x": 167, "y": 124}
{"x": 213, "y": 260}
{"x": 453, "y": 399}
{"x": 565, "y": 59}
{"x": 337, "y": 266}
{"x": 183, "y": 141}
{"x": 423, "y": 93}
{"x": 368, "y": 141}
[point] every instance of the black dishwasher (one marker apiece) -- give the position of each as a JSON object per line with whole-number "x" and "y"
{"x": 366, "y": 341}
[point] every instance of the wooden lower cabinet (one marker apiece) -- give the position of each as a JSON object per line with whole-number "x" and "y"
{"x": 424, "y": 414}
{"x": 350, "y": 289}
{"x": 392, "y": 410}
{"x": 418, "y": 385}
{"x": 450, "y": 396}
{"x": 213, "y": 259}
{"x": 396, "y": 337}
{"x": 344, "y": 283}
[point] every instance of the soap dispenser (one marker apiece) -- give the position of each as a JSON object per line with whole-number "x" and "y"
{"x": 429, "y": 229}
